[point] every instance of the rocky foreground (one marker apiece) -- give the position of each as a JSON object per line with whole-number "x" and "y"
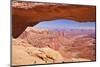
{"x": 40, "y": 46}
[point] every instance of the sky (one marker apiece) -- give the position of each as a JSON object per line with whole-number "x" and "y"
{"x": 64, "y": 24}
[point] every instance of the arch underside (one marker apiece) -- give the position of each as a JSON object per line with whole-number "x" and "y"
{"x": 21, "y": 18}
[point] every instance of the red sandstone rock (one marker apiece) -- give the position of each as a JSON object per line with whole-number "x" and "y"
{"x": 30, "y": 13}
{"x": 40, "y": 46}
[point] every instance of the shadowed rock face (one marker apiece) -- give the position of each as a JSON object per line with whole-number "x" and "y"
{"x": 30, "y": 14}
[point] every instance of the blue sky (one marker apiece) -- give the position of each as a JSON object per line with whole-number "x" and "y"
{"x": 65, "y": 24}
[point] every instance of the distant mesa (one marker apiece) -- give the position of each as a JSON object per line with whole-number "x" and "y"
{"x": 64, "y": 24}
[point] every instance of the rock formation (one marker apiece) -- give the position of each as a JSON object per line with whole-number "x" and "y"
{"x": 25, "y": 54}
{"x": 30, "y": 13}
{"x": 41, "y": 46}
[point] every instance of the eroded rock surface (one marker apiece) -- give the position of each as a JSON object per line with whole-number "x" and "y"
{"x": 25, "y": 55}
{"x": 41, "y": 46}
{"x": 30, "y": 13}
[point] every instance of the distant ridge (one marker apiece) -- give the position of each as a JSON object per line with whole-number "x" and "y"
{"x": 65, "y": 25}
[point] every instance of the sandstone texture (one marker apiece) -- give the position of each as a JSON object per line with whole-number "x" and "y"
{"x": 41, "y": 46}
{"x": 30, "y": 13}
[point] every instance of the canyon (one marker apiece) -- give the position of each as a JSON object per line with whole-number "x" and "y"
{"x": 41, "y": 46}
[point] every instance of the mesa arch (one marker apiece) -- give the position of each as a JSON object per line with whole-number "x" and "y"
{"x": 22, "y": 17}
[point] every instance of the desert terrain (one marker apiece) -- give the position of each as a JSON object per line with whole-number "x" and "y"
{"x": 41, "y": 46}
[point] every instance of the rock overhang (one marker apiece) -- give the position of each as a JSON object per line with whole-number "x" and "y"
{"x": 22, "y": 17}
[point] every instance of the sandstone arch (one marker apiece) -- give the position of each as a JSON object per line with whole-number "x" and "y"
{"x": 22, "y": 17}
